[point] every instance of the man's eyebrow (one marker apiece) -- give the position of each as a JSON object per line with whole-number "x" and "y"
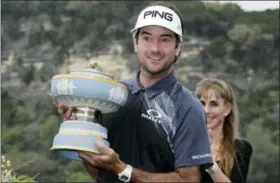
{"x": 166, "y": 35}
{"x": 163, "y": 35}
{"x": 144, "y": 32}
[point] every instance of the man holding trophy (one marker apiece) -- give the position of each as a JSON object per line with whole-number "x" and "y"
{"x": 159, "y": 134}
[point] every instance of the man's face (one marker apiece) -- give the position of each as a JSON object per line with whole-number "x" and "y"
{"x": 156, "y": 49}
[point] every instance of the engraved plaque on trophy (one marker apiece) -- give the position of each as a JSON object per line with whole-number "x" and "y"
{"x": 92, "y": 93}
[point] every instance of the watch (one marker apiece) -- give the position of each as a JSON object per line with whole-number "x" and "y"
{"x": 125, "y": 175}
{"x": 213, "y": 169}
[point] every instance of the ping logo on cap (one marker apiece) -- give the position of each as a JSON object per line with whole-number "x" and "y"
{"x": 160, "y": 16}
{"x": 154, "y": 13}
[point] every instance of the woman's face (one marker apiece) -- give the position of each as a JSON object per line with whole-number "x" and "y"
{"x": 215, "y": 108}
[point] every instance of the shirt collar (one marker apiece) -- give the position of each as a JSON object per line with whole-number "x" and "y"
{"x": 156, "y": 88}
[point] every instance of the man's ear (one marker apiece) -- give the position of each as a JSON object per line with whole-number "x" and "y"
{"x": 135, "y": 45}
{"x": 178, "y": 50}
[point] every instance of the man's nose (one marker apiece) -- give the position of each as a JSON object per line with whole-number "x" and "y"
{"x": 155, "y": 46}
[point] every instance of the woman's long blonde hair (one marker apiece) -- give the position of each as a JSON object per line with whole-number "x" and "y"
{"x": 231, "y": 122}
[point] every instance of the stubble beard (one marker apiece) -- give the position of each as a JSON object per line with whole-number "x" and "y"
{"x": 162, "y": 72}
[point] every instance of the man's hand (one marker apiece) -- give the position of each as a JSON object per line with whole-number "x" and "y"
{"x": 66, "y": 112}
{"x": 108, "y": 159}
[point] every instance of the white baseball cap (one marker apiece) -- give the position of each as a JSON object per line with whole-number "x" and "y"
{"x": 161, "y": 16}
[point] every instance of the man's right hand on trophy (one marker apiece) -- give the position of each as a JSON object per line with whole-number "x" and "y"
{"x": 66, "y": 112}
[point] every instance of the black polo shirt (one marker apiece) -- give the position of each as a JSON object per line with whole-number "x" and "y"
{"x": 161, "y": 128}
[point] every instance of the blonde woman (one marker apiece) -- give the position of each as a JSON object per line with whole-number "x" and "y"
{"x": 230, "y": 153}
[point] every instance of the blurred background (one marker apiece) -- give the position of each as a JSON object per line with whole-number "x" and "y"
{"x": 42, "y": 38}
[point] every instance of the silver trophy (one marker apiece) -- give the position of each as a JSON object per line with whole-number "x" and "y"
{"x": 92, "y": 93}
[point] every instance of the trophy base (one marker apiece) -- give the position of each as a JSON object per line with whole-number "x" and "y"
{"x": 67, "y": 145}
{"x": 70, "y": 153}
{"x": 80, "y": 135}
{"x": 83, "y": 128}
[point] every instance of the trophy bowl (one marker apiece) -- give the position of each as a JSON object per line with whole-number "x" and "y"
{"x": 92, "y": 93}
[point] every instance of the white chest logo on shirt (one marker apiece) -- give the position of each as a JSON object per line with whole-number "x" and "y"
{"x": 152, "y": 115}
